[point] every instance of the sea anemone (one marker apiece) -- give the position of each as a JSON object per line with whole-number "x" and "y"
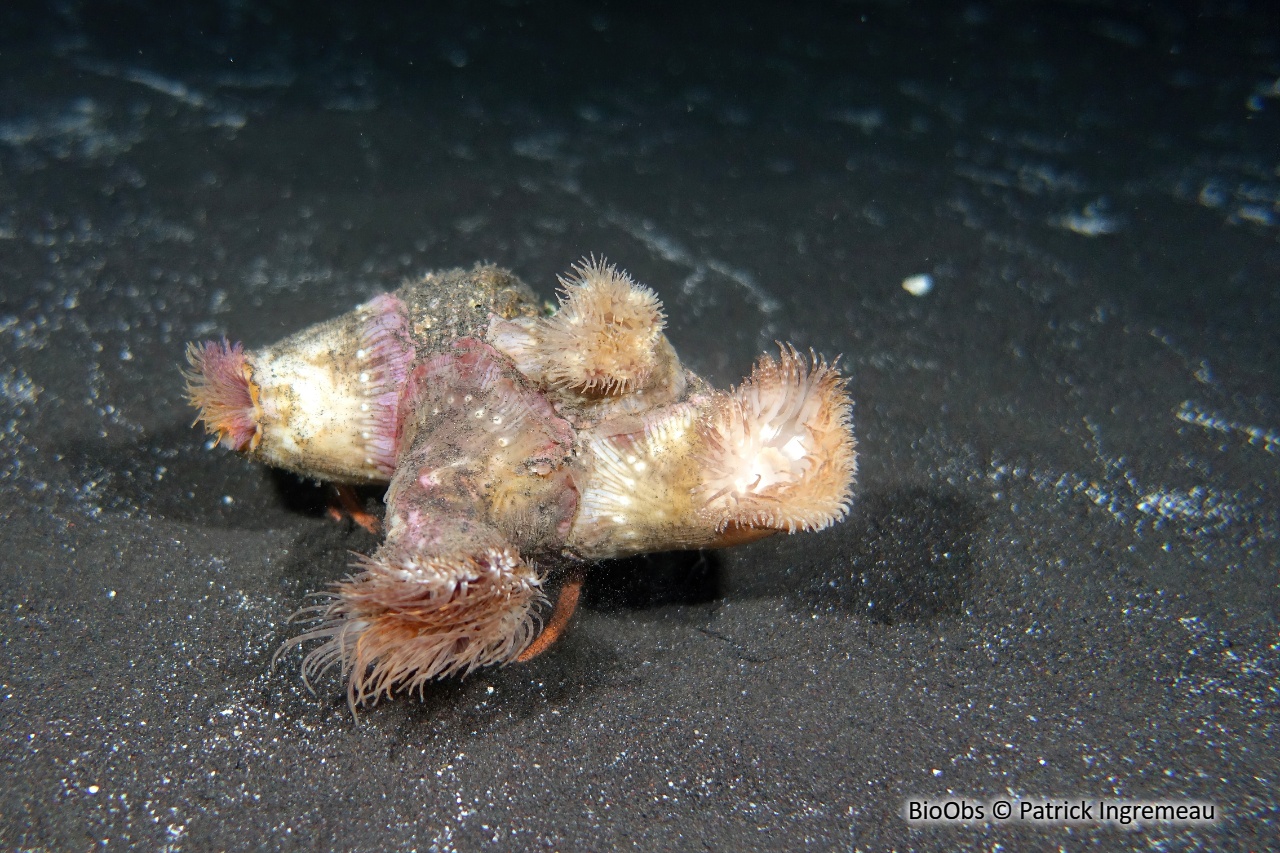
{"x": 471, "y": 389}
{"x": 323, "y": 402}
{"x": 477, "y": 439}
{"x": 384, "y": 357}
{"x": 219, "y": 384}
{"x": 779, "y": 449}
{"x": 406, "y": 620}
{"x": 604, "y": 338}
{"x": 604, "y": 341}
{"x": 637, "y": 491}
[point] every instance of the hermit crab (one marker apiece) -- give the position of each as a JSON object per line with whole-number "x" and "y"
{"x": 514, "y": 441}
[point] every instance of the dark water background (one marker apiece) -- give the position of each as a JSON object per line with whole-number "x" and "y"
{"x": 1060, "y": 576}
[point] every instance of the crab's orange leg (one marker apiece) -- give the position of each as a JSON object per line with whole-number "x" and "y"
{"x": 566, "y": 604}
{"x": 349, "y": 504}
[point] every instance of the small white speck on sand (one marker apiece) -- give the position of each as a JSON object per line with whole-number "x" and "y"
{"x": 918, "y": 285}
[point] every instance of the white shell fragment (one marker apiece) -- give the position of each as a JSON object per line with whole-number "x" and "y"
{"x": 918, "y": 285}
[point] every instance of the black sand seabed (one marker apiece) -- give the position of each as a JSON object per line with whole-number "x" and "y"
{"x": 1060, "y": 576}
